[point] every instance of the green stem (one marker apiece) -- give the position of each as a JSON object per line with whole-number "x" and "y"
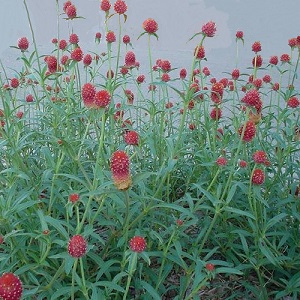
{"x": 159, "y": 280}
{"x": 85, "y": 292}
{"x": 208, "y": 232}
{"x": 131, "y": 270}
{"x": 73, "y": 279}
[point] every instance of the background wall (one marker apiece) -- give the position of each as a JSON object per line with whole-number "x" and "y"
{"x": 272, "y": 22}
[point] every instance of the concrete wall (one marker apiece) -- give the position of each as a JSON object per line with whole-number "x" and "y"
{"x": 272, "y": 22}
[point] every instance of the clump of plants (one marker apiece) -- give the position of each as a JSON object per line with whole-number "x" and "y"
{"x": 168, "y": 184}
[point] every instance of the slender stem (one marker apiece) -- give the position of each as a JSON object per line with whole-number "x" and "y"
{"x": 131, "y": 270}
{"x": 208, "y": 232}
{"x": 73, "y": 279}
{"x": 85, "y": 292}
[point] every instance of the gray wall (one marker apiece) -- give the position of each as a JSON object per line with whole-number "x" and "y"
{"x": 272, "y": 22}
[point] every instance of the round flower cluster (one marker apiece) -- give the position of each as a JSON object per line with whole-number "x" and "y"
{"x": 209, "y": 29}
{"x": 150, "y": 26}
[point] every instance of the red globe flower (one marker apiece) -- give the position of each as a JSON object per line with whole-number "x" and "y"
{"x": 137, "y": 244}
{"x": 23, "y": 43}
{"x": 209, "y": 29}
{"x": 258, "y": 177}
{"x": 150, "y": 26}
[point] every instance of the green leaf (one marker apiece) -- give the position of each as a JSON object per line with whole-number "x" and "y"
{"x": 228, "y": 270}
{"x": 239, "y": 212}
{"x": 150, "y": 289}
{"x": 267, "y": 252}
{"x": 196, "y": 34}
{"x": 57, "y": 224}
{"x": 275, "y": 220}
{"x": 62, "y": 291}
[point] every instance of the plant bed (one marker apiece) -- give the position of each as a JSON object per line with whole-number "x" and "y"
{"x": 169, "y": 183}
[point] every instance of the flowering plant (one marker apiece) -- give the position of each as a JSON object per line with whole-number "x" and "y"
{"x": 118, "y": 183}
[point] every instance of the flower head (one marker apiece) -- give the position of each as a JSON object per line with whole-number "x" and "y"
{"x": 23, "y": 43}
{"x": 51, "y": 62}
{"x": 140, "y": 79}
{"x": 97, "y": 37}
{"x": 165, "y": 65}
{"x": 221, "y": 161}
{"x": 74, "y": 197}
{"x": 267, "y": 78}
{"x": 292, "y": 42}
{"x": 29, "y": 98}
{"x": 257, "y": 61}
{"x": 239, "y": 34}
{"x": 182, "y": 73}
{"x": 150, "y": 26}
{"x": 293, "y": 102}
{"x": 64, "y": 59}
{"x": 77, "y": 54}
{"x": 10, "y": 287}
{"x": 235, "y": 74}
{"x": 256, "y": 47}
{"x": 66, "y": 4}
{"x": 62, "y": 45}
{"x": 137, "y": 244}
{"x": 206, "y": 71}
{"x": 216, "y": 113}
{"x": 87, "y": 60}
{"x": 126, "y": 39}
{"x": 110, "y": 37}
{"x": 131, "y": 138}
{"x": 102, "y": 98}
{"x": 217, "y": 92}
{"x": 249, "y": 131}
{"x": 209, "y": 29}
{"x": 14, "y": 82}
{"x": 199, "y": 52}
{"x": 120, "y": 7}
{"x": 119, "y": 165}
{"x": 258, "y": 177}
{"x": 243, "y": 163}
{"x": 259, "y": 157}
{"x": 165, "y": 77}
{"x": 88, "y": 92}
{"x": 130, "y": 59}
{"x": 77, "y": 246}
{"x": 105, "y": 5}
{"x": 71, "y": 11}
{"x": 273, "y": 60}
{"x": 210, "y": 267}
{"x": 74, "y": 39}
{"x": 285, "y": 58}
{"x": 251, "y": 98}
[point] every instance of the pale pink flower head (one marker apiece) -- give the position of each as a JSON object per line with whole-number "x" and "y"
{"x": 209, "y": 29}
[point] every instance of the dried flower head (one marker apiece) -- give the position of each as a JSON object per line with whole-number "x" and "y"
{"x": 119, "y": 165}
